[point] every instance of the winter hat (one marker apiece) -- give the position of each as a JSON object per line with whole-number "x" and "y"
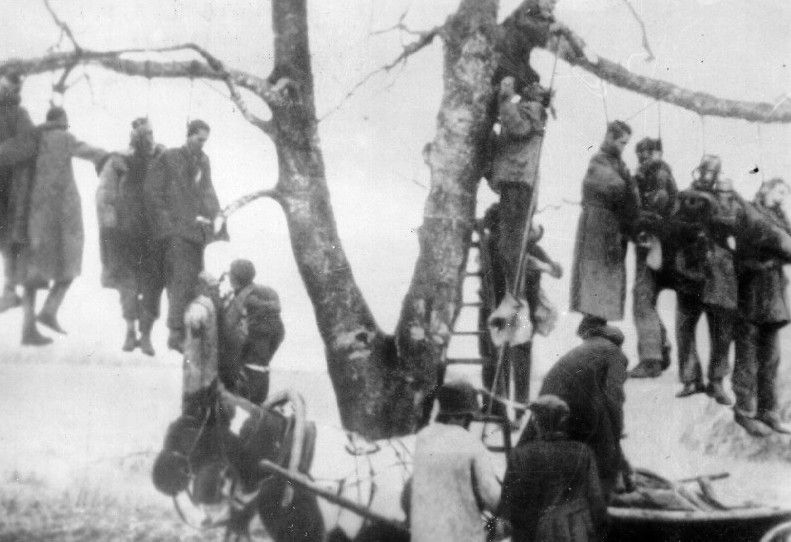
{"x": 242, "y": 272}
{"x": 457, "y": 398}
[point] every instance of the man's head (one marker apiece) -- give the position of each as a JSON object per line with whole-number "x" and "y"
{"x": 706, "y": 174}
{"x": 550, "y": 415}
{"x": 773, "y": 192}
{"x": 10, "y": 85}
{"x": 507, "y": 87}
{"x": 197, "y": 135}
{"x": 141, "y": 138}
{"x": 648, "y": 149}
{"x": 617, "y": 136}
{"x": 241, "y": 274}
{"x": 546, "y": 7}
{"x": 57, "y": 114}
{"x": 458, "y": 403}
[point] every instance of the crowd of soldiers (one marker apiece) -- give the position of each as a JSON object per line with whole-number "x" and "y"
{"x": 157, "y": 210}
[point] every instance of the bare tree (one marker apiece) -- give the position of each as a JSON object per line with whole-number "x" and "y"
{"x": 381, "y": 379}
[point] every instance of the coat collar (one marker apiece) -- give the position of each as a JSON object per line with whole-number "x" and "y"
{"x": 611, "y": 333}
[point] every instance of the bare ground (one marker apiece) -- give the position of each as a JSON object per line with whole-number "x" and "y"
{"x": 82, "y": 422}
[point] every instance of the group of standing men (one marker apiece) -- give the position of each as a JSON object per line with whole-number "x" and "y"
{"x": 157, "y": 211}
{"x": 722, "y": 255}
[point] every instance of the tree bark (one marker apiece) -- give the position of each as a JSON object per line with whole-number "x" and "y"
{"x": 456, "y": 161}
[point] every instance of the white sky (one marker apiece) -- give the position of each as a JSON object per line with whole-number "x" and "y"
{"x": 732, "y": 48}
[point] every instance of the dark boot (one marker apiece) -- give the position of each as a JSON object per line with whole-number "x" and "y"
{"x": 49, "y": 312}
{"x": 772, "y": 419}
{"x": 176, "y": 340}
{"x": 130, "y": 341}
{"x": 30, "y": 333}
{"x": 753, "y": 426}
{"x": 9, "y": 299}
{"x": 145, "y": 337}
{"x": 649, "y": 368}
{"x": 717, "y": 392}
{"x": 691, "y": 388}
{"x": 666, "y": 349}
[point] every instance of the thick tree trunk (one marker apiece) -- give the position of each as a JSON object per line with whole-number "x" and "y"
{"x": 456, "y": 161}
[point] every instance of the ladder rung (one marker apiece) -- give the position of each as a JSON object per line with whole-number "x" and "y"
{"x": 472, "y": 304}
{"x": 475, "y": 244}
{"x": 472, "y": 273}
{"x": 468, "y": 332}
{"x": 464, "y": 361}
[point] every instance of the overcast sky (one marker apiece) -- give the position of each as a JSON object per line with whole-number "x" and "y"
{"x": 732, "y": 48}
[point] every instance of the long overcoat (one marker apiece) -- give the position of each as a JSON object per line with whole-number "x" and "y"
{"x": 763, "y": 246}
{"x": 53, "y": 251}
{"x": 609, "y": 207}
{"x": 17, "y": 148}
{"x": 590, "y": 379}
{"x": 547, "y": 474}
{"x": 124, "y": 225}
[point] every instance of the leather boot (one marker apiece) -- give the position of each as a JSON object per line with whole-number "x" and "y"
{"x": 691, "y": 388}
{"x": 717, "y": 392}
{"x": 30, "y": 333}
{"x": 772, "y": 419}
{"x": 666, "y": 350}
{"x": 145, "y": 337}
{"x": 648, "y": 368}
{"x": 176, "y": 340}
{"x": 130, "y": 341}
{"x": 49, "y": 313}
{"x": 9, "y": 299}
{"x": 753, "y": 426}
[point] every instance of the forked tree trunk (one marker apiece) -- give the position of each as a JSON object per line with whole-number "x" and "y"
{"x": 381, "y": 383}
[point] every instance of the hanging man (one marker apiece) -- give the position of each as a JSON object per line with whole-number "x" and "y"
{"x": 708, "y": 217}
{"x": 610, "y": 205}
{"x": 658, "y": 191}
{"x": 51, "y": 257}
{"x": 763, "y": 247}
{"x": 185, "y": 216}
{"x": 127, "y": 250}
{"x": 17, "y": 147}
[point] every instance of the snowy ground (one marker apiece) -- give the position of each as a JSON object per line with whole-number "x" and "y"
{"x": 80, "y": 423}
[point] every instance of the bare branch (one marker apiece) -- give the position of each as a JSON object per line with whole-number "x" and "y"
{"x": 650, "y": 54}
{"x": 569, "y": 47}
{"x": 64, "y": 28}
{"x": 425, "y": 39}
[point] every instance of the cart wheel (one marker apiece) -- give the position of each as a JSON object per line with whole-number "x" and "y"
{"x": 779, "y": 533}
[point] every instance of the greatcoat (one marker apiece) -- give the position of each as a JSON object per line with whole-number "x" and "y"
{"x": 590, "y": 379}
{"x": 17, "y": 148}
{"x": 609, "y": 207}
{"x": 53, "y": 251}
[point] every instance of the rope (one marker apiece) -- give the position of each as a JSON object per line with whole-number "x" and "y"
{"x": 604, "y": 102}
{"x": 520, "y": 270}
{"x": 762, "y": 166}
{"x": 659, "y": 119}
{"x": 189, "y": 103}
